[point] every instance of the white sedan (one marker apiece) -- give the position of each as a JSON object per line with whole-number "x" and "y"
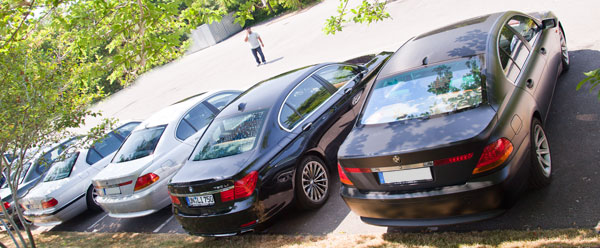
{"x": 134, "y": 184}
{"x": 66, "y": 190}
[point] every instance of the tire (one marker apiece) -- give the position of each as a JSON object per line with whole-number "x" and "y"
{"x": 90, "y": 199}
{"x": 564, "y": 51}
{"x": 312, "y": 183}
{"x": 541, "y": 162}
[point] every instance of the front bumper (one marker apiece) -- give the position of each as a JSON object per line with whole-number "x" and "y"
{"x": 142, "y": 203}
{"x": 241, "y": 218}
{"x": 484, "y": 198}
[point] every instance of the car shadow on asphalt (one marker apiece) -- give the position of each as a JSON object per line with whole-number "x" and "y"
{"x": 317, "y": 222}
{"x": 572, "y": 129}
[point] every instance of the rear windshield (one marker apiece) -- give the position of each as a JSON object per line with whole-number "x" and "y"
{"x": 425, "y": 92}
{"x": 229, "y": 136}
{"x": 61, "y": 169}
{"x": 139, "y": 144}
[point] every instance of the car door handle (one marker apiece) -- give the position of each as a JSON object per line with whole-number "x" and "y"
{"x": 306, "y": 126}
{"x": 543, "y": 51}
{"x": 530, "y": 83}
{"x": 347, "y": 90}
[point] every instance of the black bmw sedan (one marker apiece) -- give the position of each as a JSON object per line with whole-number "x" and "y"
{"x": 277, "y": 142}
{"x": 453, "y": 128}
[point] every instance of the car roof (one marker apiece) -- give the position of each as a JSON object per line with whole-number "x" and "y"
{"x": 173, "y": 112}
{"x": 461, "y": 39}
{"x": 265, "y": 94}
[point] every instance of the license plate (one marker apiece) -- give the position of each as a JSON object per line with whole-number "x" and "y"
{"x": 112, "y": 191}
{"x": 406, "y": 176}
{"x": 200, "y": 201}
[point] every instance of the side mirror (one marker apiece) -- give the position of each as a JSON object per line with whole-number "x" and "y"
{"x": 548, "y": 23}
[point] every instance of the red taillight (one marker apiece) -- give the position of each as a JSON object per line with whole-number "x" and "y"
{"x": 145, "y": 181}
{"x": 245, "y": 186}
{"x": 494, "y": 155}
{"x": 227, "y": 195}
{"x": 453, "y": 159}
{"x": 6, "y": 205}
{"x": 49, "y": 203}
{"x": 358, "y": 170}
{"x": 343, "y": 178}
{"x": 174, "y": 199}
{"x": 127, "y": 183}
{"x": 248, "y": 224}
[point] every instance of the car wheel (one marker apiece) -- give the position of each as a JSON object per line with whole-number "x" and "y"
{"x": 541, "y": 162}
{"x": 90, "y": 198}
{"x": 312, "y": 183}
{"x": 564, "y": 51}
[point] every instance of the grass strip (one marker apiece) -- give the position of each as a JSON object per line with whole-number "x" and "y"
{"x": 500, "y": 238}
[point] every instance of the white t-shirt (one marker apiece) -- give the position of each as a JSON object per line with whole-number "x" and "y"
{"x": 253, "y": 40}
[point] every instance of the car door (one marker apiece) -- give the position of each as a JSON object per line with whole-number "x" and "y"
{"x": 340, "y": 116}
{"x": 535, "y": 79}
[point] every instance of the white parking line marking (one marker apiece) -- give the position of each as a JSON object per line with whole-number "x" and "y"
{"x": 98, "y": 221}
{"x": 163, "y": 224}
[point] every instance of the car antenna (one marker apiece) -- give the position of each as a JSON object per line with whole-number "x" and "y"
{"x": 241, "y": 107}
{"x": 425, "y": 61}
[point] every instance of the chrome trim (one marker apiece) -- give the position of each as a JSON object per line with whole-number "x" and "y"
{"x": 328, "y": 99}
{"x": 203, "y": 193}
{"x": 403, "y": 167}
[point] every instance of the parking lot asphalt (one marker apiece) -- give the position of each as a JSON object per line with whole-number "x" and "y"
{"x": 573, "y": 126}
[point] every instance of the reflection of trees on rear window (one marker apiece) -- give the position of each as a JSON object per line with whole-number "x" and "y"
{"x": 425, "y": 92}
{"x": 139, "y": 144}
{"x": 230, "y": 136}
{"x": 337, "y": 75}
{"x": 61, "y": 168}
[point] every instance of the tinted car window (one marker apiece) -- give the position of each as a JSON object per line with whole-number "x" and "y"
{"x": 524, "y": 26}
{"x": 196, "y": 119}
{"x": 337, "y": 75}
{"x": 220, "y": 101}
{"x": 139, "y": 144}
{"x": 126, "y": 129}
{"x": 228, "y": 136}
{"x": 425, "y": 92}
{"x": 513, "y": 52}
{"x": 303, "y": 99}
{"x": 103, "y": 148}
{"x": 42, "y": 164}
{"x": 61, "y": 169}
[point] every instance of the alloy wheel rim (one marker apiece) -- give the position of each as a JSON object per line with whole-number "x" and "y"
{"x": 542, "y": 151}
{"x": 94, "y": 196}
{"x": 314, "y": 181}
{"x": 563, "y": 47}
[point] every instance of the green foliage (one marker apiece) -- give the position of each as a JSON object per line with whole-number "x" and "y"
{"x": 366, "y": 12}
{"x": 593, "y": 79}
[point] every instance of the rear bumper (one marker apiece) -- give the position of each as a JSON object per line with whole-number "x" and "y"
{"x": 473, "y": 201}
{"x": 139, "y": 204}
{"x": 52, "y": 217}
{"x": 240, "y": 219}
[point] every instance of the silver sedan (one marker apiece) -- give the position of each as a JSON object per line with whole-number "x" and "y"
{"x": 134, "y": 184}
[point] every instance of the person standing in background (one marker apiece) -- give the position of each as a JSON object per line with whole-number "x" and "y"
{"x": 253, "y": 40}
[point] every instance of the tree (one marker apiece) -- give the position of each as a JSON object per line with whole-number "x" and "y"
{"x": 593, "y": 79}
{"x": 366, "y": 12}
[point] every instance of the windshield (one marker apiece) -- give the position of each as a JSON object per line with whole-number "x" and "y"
{"x": 229, "y": 136}
{"x": 61, "y": 168}
{"x": 425, "y": 92}
{"x": 139, "y": 144}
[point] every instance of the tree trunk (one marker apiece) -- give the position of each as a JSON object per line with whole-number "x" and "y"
{"x": 266, "y": 3}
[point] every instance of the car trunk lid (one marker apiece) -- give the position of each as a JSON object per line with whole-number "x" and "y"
{"x": 118, "y": 179}
{"x": 417, "y": 154}
{"x": 207, "y": 178}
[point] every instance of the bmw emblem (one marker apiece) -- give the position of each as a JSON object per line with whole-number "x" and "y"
{"x": 396, "y": 159}
{"x": 191, "y": 189}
